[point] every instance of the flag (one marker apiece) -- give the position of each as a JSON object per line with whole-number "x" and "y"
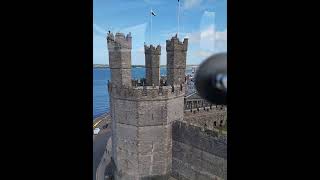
{"x": 154, "y": 14}
{"x": 178, "y": 0}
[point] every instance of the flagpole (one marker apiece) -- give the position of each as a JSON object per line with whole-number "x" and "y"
{"x": 151, "y": 25}
{"x": 178, "y": 18}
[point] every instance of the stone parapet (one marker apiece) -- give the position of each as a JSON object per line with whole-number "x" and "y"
{"x": 146, "y": 92}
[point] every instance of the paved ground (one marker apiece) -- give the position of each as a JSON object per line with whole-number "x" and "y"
{"x": 99, "y": 144}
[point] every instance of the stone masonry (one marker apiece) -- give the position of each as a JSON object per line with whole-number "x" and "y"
{"x": 142, "y": 116}
{"x": 156, "y": 131}
{"x": 119, "y": 48}
{"x": 198, "y": 153}
{"x": 176, "y": 60}
{"x": 152, "y": 62}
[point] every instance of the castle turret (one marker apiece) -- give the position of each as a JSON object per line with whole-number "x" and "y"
{"x": 176, "y": 60}
{"x": 119, "y": 48}
{"x": 142, "y": 115}
{"x": 152, "y": 62}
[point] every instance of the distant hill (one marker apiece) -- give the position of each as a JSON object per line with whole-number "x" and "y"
{"x": 100, "y": 65}
{"x": 134, "y": 66}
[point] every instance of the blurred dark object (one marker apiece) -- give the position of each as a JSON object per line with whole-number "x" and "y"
{"x": 211, "y": 79}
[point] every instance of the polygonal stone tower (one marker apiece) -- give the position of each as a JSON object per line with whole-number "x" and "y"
{"x": 120, "y": 58}
{"x": 152, "y": 59}
{"x": 142, "y": 118}
{"x": 176, "y": 60}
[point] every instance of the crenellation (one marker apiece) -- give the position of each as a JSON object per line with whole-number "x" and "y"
{"x": 129, "y": 38}
{"x": 145, "y": 92}
{"x": 209, "y": 119}
{"x": 110, "y": 36}
{"x": 152, "y": 50}
{"x": 150, "y": 122}
{"x": 119, "y": 41}
{"x": 174, "y": 44}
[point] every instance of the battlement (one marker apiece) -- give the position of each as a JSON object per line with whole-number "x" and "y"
{"x": 211, "y": 108}
{"x": 146, "y": 92}
{"x": 208, "y": 118}
{"x": 152, "y": 50}
{"x": 176, "y": 45}
{"x": 119, "y": 41}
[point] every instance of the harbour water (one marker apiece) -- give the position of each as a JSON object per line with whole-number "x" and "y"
{"x": 100, "y": 93}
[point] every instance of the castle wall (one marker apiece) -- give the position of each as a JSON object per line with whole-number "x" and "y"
{"x": 142, "y": 131}
{"x": 199, "y": 152}
{"x": 208, "y": 118}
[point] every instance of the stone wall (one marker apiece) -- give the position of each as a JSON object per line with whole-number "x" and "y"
{"x": 152, "y": 62}
{"x": 119, "y": 47}
{"x": 176, "y": 60}
{"x": 206, "y": 117}
{"x": 146, "y": 92}
{"x": 142, "y": 129}
{"x": 197, "y": 153}
{"x": 142, "y": 116}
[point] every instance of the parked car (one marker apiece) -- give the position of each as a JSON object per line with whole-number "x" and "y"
{"x": 96, "y": 131}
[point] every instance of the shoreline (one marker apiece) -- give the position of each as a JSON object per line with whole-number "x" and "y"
{"x": 101, "y": 119}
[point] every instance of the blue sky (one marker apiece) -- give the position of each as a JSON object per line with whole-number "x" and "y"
{"x": 204, "y": 22}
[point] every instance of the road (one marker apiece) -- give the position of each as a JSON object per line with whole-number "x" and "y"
{"x": 99, "y": 146}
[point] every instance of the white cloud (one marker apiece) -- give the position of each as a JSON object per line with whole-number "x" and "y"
{"x": 189, "y": 4}
{"x": 221, "y": 41}
{"x": 208, "y": 33}
{"x": 202, "y": 53}
{"x": 205, "y": 43}
{"x": 202, "y": 43}
{"x": 168, "y": 34}
{"x": 209, "y": 14}
{"x": 193, "y": 37}
{"x": 99, "y": 29}
{"x": 222, "y": 35}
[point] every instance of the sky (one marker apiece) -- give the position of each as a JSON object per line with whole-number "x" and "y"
{"x": 203, "y": 22}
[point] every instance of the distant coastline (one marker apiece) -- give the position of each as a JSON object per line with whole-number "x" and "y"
{"x": 100, "y": 65}
{"x": 135, "y": 66}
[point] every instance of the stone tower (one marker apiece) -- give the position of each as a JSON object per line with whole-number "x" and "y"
{"x": 142, "y": 118}
{"x": 152, "y": 62}
{"x": 120, "y": 58}
{"x": 176, "y": 60}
